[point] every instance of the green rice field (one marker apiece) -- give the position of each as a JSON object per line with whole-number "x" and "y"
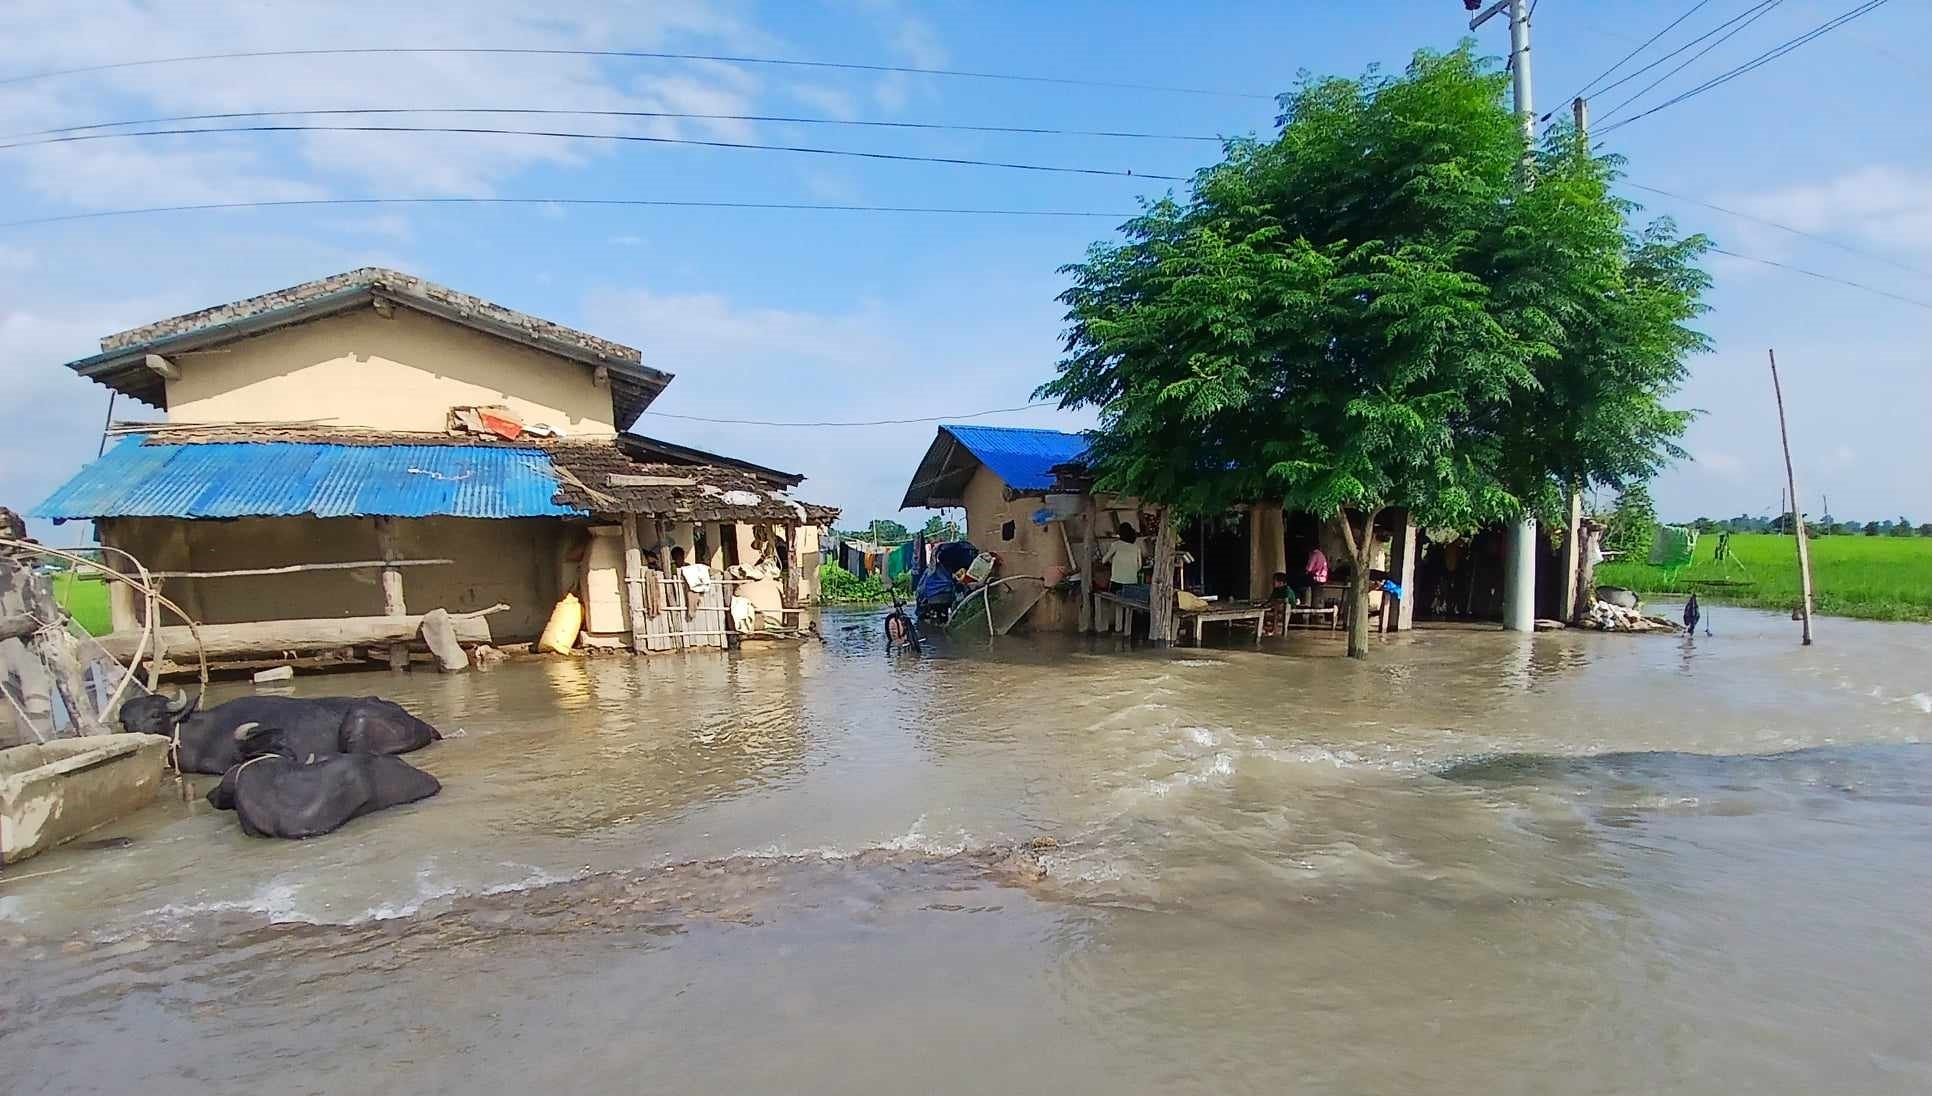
{"x": 1874, "y": 578}
{"x": 86, "y": 598}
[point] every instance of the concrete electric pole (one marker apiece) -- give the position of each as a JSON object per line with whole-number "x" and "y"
{"x": 1522, "y": 537}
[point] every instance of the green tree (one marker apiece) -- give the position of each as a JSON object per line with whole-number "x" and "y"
{"x": 1631, "y": 526}
{"x": 1902, "y": 527}
{"x": 938, "y": 529}
{"x": 1872, "y": 529}
{"x": 1373, "y": 309}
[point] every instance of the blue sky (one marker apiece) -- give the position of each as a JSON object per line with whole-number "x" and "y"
{"x": 845, "y": 316}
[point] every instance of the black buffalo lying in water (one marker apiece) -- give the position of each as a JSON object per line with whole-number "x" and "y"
{"x": 311, "y": 725}
{"x": 279, "y": 791}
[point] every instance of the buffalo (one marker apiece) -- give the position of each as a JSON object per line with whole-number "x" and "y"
{"x": 281, "y": 790}
{"x": 310, "y": 725}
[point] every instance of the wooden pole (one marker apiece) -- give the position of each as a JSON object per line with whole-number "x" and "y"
{"x": 1801, "y": 532}
{"x": 1163, "y": 581}
{"x": 386, "y": 542}
{"x": 790, "y": 588}
{"x": 1086, "y": 568}
{"x": 634, "y": 580}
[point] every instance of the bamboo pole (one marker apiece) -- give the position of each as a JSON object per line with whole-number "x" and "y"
{"x": 1801, "y": 532}
{"x": 294, "y": 568}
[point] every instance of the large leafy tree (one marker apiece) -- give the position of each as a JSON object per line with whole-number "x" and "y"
{"x": 1393, "y": 303}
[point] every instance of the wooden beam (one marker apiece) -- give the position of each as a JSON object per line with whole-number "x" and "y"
{"x": 269, "y": 637}
{"x": 168, "y": 370}
{"x": 384, "y": 307}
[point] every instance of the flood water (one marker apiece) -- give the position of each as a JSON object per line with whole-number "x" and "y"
{"x": 1473, "y": 863}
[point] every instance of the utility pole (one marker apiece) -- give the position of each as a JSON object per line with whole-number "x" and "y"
{"x": 1523, "y": 536}
{"x": 1801, "y": 534}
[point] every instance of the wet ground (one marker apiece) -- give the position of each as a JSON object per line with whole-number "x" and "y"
{"x": 1472, "y": 863}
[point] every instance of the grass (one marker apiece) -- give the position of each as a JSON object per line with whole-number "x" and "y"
{"x": 1874, "y": 578}
{"x": 86, "y": 598}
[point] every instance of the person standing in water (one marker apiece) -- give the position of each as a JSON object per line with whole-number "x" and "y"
{"x": 1124, "y": 558}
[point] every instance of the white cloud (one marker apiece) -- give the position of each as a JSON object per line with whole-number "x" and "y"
{"x": 831, "y": 101}
{"x": 1726, "y": 465}
{"x": 204, "y": 168}
{"x": 1878, "y": 205}
{"x": 734, "y": 360}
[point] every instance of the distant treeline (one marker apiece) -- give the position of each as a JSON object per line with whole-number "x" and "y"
{"x": 1827, "y": 526}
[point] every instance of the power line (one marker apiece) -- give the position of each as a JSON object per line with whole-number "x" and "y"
{"x": 1818, "y": 237}
{"x": 1630, "y": 56}
{"x": 1823, "y": 277}
{"x": 772, "y": 118}
{"x": 875, "y": 422}
{"x": 1762, "y": 10}
{"x": 1753, "y": 63}
{"x": 299, "y": 203}
{"x": 1755, "y": 10}
{"x": 624, "y": 54}
{"x": 638, "y": 138}
{"x": 287, "y": 203}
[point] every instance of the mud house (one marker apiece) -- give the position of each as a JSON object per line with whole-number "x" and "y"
{"x": 340, "y": 457}
{"x": 1028, "y": 499}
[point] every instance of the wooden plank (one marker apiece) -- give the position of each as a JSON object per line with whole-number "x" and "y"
{"x": 314, "y": 634}
{"x": 621, "y": 479}
{"x": 161, "y": 367}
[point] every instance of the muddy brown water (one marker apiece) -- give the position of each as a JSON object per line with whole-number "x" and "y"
{"x": 1473, "y": 863}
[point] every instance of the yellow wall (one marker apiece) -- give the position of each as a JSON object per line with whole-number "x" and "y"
{"x": 402, "y": 373}
{"x": 515, "y": 561}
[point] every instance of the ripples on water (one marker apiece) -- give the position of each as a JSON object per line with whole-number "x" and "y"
{"x": 1473, "y": 863}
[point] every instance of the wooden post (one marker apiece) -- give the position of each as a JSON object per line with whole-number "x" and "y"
{"x": 393, "y": 606}
{"x": 1086, "y": 568}
{"x": 1405, "y": 571}
{"x": 1572, "y": 553}
{"x": 1163, "y": 581}
{"x": 1801, "y": 531}
{"x": 634, "y": 580}
{"x": 790, "y": 588}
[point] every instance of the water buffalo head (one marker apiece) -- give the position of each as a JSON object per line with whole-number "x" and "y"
{"x": 151, "y": 714}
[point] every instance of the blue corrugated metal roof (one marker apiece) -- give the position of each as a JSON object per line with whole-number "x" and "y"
{"x": 286, "y": 479}
{"x": 1021, "y": 456}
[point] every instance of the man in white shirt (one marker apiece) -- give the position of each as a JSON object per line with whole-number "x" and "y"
{"x": 1124, "y": 558}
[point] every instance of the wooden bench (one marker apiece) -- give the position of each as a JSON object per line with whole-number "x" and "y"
{"x": 1310, "y": 616}
{"x": 1195, "y": 620}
